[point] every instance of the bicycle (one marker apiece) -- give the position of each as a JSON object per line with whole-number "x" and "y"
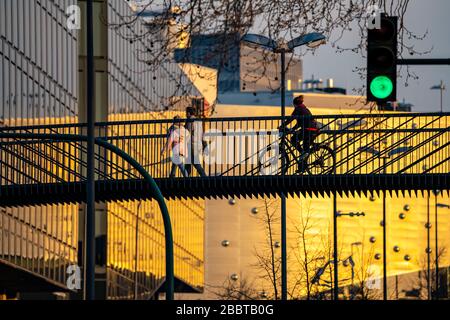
{"x": 319, "y": 159}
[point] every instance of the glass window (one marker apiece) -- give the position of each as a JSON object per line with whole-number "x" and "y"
{"x": 65, "y": 58}
{"x": 5, "y": 84}
{"x": 2, "y": 85}
{"x": 15, "y": 25}
{"x": 12, "y": 93}
{"x": 60, "y": 63}
{"x": 31, "y": 98}
{"x": 8, "y": 20}
{"x": 53, "y": 50}
{"x": 42, "y": 26}
{"x": 47, "y": 45}
{"x": 27, "y": 27}
{"x": 3, "y": 17}
{"x": 19, "y": 92}
{"x": 20, "y": 16}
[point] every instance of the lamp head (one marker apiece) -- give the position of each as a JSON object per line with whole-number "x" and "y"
{"x": 316, "y": 43}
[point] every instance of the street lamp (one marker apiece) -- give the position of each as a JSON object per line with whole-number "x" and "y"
{"x": 441, "y": 88}
{"x": 313, "y": 40}
{"x": 144, "y": 11}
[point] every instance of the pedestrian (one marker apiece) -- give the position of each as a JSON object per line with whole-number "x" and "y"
{"x": 177, "y": 143}
{"x": 196, "y": 142}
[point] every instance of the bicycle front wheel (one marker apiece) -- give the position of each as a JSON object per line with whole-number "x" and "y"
{"x": 321, "y": 160}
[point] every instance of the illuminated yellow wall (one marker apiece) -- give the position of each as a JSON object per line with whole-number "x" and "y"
{"x": 237, "y": 224}
{"x": 187, "y": 218}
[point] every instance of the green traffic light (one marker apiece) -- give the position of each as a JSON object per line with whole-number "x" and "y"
{"x": 381, "y": 87}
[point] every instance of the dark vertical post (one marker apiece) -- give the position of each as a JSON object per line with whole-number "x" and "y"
{"x": 283, "y": 83}
{"x": 385, "y": 289}
{"x": 436, "y": 253}
{"x": 396, "y": 287}
{"x": 384, "y": 248}
{"x": 335, "y": 248}
{"x": 442, "y": 100}
{"x": 89, "y": 268}
{"x": 428, "y": 249}
{"x": 136, "y": 252}
{"x": 283, "y": 197}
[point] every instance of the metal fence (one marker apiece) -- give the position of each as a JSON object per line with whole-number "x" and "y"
{"x": 359, "y": 144}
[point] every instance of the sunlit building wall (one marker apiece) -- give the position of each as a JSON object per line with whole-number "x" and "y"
{"x": 236, "y": 234}
{"x": 38, "y": 85}
{"x": 42, "y": 82}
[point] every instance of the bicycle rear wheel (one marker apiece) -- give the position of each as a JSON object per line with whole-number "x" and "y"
{"x": 284, "y": 162}
{"x": 321, "y": 160}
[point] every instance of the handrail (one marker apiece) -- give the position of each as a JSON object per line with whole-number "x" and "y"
{"x": 221, "y": 119}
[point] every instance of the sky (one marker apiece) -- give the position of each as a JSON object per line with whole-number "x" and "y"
{"x": 431, "y": 15}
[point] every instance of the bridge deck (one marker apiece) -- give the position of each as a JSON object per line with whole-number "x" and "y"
{"x": 223, "y": 187}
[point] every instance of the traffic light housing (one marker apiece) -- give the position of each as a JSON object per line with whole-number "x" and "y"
{"x": 382, "y": 61}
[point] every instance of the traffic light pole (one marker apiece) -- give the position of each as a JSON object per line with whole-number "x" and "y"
{"x": 423, "y": 62}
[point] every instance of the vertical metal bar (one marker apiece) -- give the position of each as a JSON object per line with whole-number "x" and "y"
{"x": 335, "y": 248}
{"x": 136, "y": 253}
{"x": 89, "y": 268}
{"x": 384, "y": 239}
{"x": 428, "y": 249}
{"x": 283, "y": 80}
{"x": 436, "y": 253}
{"x": 283, "y": 197}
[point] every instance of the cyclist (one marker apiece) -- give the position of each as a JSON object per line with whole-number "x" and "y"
{"x": 305, "y": 129}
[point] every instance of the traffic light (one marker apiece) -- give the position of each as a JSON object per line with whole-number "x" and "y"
{"x": 382, "y": 61}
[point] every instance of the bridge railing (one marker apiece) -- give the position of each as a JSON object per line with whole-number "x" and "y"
{"x": 411, "y": 143}
{"x": 362, "y": 144}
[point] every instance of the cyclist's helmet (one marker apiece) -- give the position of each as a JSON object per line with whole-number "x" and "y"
{"x": 297, "y": 100}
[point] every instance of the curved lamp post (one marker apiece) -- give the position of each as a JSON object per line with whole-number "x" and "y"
{"x": 156, "y": 193}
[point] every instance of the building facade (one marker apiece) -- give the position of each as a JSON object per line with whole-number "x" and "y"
{"x": 42, "y": 73}
{"x": 38, "y": 85}
{"x": 240, "y": 67}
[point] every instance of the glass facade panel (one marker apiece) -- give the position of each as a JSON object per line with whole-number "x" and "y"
{"x": 39, "y": 85}
{"x": 32, "y": 93}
